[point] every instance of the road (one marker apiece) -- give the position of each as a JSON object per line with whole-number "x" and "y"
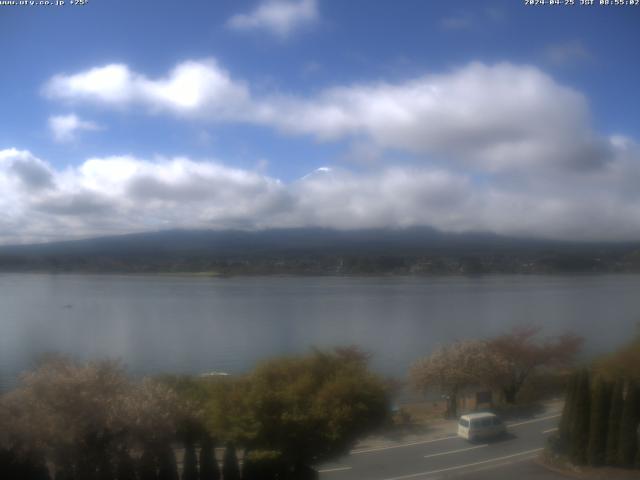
{"x": 451, "y": 456}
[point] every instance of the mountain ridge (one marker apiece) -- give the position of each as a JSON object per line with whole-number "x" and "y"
{"x": 320, "y": 251}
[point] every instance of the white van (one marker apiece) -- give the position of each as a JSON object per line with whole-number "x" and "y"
{"x": 476, "y": 426}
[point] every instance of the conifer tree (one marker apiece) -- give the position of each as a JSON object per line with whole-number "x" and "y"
{"x": 147, "y": 468}
{"x": 250, "y": 469}
{"x": 64, "y": 471}
{"x": 7, "y": 463}
{"x": 125, "y": 467}
{"x": 601, "y": 396}
{"x": 105, "y": 467}
{"x": 31, "y": 466}
{"x": 628, "y": 442}
{"x": 613, "y": 430}
{"x": 579, "y": 437}
{"x": 167, "y": 467}
{"x": 209, "y": 469}
{"x": 190, "y": 462}
{"x": 566, "y": 420}
{"x": 230, "y": 468}
{"x": 263, "y": 465}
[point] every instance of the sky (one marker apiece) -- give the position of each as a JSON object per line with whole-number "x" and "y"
{"x": 493, "y": 116}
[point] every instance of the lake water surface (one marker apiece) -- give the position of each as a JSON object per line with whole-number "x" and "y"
{"x": 195, "y": 325}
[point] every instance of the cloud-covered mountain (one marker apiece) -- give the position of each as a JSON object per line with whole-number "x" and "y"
{"x": 418, "y": 250}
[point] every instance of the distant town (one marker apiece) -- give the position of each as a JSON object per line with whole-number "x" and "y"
{"x": 418, "y": 251}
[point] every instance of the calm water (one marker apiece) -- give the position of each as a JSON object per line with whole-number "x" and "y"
{"x": 186, "y": 324}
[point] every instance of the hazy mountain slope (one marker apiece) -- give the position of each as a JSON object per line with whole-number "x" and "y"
{"x": 316, "y": 250}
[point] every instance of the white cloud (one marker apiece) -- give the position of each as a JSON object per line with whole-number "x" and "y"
{"x": 65, "y": 127}
{"x": 494, "y": 117}
{"x": 279, "y": 17}
{"x": 567, "y": 53}
{"x": 503, "y": 148}
{"x": 191, "y": 88}
{"x": 121, "y": 194}
{"x": 498, "y": 117}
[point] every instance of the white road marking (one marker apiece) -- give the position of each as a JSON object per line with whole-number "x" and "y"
{"x": 455, "y": 451}
{"x": 550, "y": 430}
{"x": 379, "y": 449}
{"x": 336, "y": 469}
{"x": 458, "y": 467}
{"x": 534, "y": 420}
{"x": 494, "y": 466}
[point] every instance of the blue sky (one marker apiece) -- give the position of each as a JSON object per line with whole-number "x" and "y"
{"x": 129, "y": 116}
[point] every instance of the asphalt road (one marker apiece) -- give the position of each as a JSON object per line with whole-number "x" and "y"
{"x": 508, "y": 457}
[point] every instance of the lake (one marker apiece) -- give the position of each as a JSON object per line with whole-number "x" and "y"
{"x": 194, "y": 324}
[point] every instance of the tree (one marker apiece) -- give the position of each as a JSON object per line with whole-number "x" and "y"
{"x": 596, "y": 450}
{"x": 580, "y": 428}
{"x": 230, "y": 468}
{"x": 147, "y": 466}
{"x": 190, "y": 462}
{"x": 83, "y": 416}
{"x": 615, "y": 415}
{"x": 312, "y": 408}
{"x": 209, "y": 469}
{"x": 520, "y": 354}
{"x": 65, "y": 470}
{"x": 623, "y": 363}
{"x": 126, "y": 468}
{"x": 250, "y": 468}
{"x": 452, "y": 368}
{"x": 262, "y": 465}
{"x": 167, "y": 468}
{"x": 7, "y": 464}
{"x": 72, "y": 413}
{"x": 627, "y": 445}
{"x": 566, "y": 421}
{"x": 15, "y": 465}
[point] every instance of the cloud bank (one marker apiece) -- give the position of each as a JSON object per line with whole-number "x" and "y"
{"x": 491, "y": 117}
{"x": 502, "y": 148}
{"x": 122, "y": 194}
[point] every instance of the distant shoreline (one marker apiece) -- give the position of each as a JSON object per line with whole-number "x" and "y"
{"x": 219, "y": 275}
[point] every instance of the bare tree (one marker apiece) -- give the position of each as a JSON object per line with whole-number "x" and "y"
{"x": 83, "y": 417}
{"x": 521, "y": 352}
{"x": 452, "y": 368}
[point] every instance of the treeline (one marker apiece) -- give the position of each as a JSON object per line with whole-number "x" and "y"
{"x": 600, "y": 424}
{"x": 71, "y": 421}
{"x": 322, "y": 264}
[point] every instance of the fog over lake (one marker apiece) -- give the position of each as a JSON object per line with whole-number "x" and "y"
{"x": 195, "y": 325}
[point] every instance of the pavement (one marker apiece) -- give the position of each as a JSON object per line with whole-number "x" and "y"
{"x": 441, "y": 454}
